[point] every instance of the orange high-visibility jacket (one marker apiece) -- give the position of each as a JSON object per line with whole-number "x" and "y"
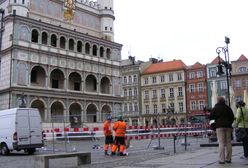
{"x": 107, "y": 128}
{"x": 119, "y": 128}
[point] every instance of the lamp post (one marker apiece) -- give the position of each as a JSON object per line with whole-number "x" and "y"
{"x": 226, "y": 64}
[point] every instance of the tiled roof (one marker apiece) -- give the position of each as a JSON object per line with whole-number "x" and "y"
{"x": 216, "y": 60}
{"x": 196, "y": 66}
{"x": 165, "y": 67}
{"x": 242, "y": 58}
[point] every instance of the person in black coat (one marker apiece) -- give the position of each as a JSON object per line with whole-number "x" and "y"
{"x": 224, "y": 117}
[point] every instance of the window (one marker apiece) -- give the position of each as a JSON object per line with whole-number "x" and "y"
{"x": 237, "y": 83}
{"x": 129, "y": 79}
{"x": 212, "y": 72}
{"x": 191, "y": 88}
{"x": 179, "y": 76}
{"x": 155, "y": 108}
{"x": 246, "y": 83}
{"x": 180, "y": 91}
{"x": 44, "y": 38}
{"x": 125, "y": 92}
{"x": 163, "y": 108}
{"x": 101, "y": 52}
{"x": 135, "y": 79}
{"x": 172, "y": 107}
{"x": 154, "y": 94}
{"x": 223, "y": 85}
{"x": 192, "y": 75}
{"x": 87, "y": 48}
{"x": 135, "y": 106}
{"x": 54, "y": 40}
{"x": 106, "y": 28}
{"x": 62, "y": 42}
{"x": 14, "y": 1}
{"x": 146, "y": 94}
{"x": 147, "y": 109}
{"x": 130, "y": 107}
{"x": 71, "y": 44}
{"x": 111, "y": 29}
{"x": 171, "y": 92}
{"x": 135, "y": 92}
{"x": 162, "y": 93}
{"x": 201, "y": 104}
{"x": 33, "y": 76}
{"x": 170, "y": 77}
{"x": 180, "y": 104}
{"x": 55, "y": 83}
{"x": 154, "y": 79}
{"x": 94, "y": 50}
{"x": 35, "y": 36}
{"x": 125, "y": 80}
{"x": 79, "y": 46}
{"x": 130, "y": 92}
{"x": 77, "y": 86}
{"x": 193, "y": 105}
{"x": 108, "y": 53}
{"x": 200, "y": 87}
{"x": 146, "y": 81}
{"x": 242, "y": 69}
{"x": 162, "y": 79}
{"x": 199, "y": 74}
{"x": 125, "y": 107}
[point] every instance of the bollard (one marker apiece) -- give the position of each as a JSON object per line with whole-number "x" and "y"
{"x": 174, "y": 141}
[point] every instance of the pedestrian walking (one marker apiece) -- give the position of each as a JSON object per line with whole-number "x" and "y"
{"x": 120, "y": 130}
{"x": 108, "y": 135}
{"x": 242, "y": 122}
{"x": 224, "y": 117}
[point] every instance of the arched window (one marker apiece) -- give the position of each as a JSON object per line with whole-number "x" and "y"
{"x": 101, "y": 52}
{"x": 108, "y": 53}
{"x": 71, "y": 44}
{"x": 62, "y": 42}
{"x": 94, "y": 50}
{"x": 87, "y": 48}
{"x": 44, "y": 38}
{"x": 79, "y": 46}
{"x": 35, "y": 36}
{"x": 54, "y": 40}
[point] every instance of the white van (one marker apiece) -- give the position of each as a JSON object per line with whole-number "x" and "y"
{"x": 20, "y": 129}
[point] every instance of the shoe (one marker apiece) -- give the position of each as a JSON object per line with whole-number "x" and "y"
{"x": 221, "y": 162}
{"x": 243, "y": 157}
{"x": 122, "y": 154}
{"x": 228, "y": 161}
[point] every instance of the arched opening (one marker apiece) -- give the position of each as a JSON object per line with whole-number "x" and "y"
{"x": 108, "y": 53}
{"x": 75, "y": 81}
{"x": 40, "y": 106}
{"x": 44, "y": 38}
{"x": 91, "y": 83}
{"x": 35, "y": 36}
{"x": 91, "y": 113}
{"x": 71, "y": 44}
{"x": 75, "y": 115}
{"x": 94, "y": 50}
{"x": 57, "y": 112}
{"x": 38, "y": 76}
{"x": 57, "y": 79}
{"x": 105, "y": 85}
{"x": 54, "y": 40}
{"x": 106, "y": 111}
{"x": 87, "y": 48}
{"x": 62, "y": 42}
{"x": 101, "y": 52}
{"x": 79, "y": 46}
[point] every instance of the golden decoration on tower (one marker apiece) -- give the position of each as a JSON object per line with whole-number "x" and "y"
{"x": 70, "y": 6}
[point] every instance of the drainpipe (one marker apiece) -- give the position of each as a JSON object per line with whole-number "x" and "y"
{"x": 2, "y": 29}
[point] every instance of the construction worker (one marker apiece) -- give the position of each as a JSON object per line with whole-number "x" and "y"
{"x": 120, "y": 130}
{"x": 108, "y": 135}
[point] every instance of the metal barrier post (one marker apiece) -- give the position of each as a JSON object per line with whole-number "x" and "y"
{"x": 174, "y": 141}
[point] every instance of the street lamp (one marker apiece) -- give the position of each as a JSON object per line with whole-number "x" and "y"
{"x": 226, "y": 64}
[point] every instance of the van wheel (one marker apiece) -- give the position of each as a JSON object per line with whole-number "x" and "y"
{"x": 4, "y": 149}
{"x": 31, "y": 151}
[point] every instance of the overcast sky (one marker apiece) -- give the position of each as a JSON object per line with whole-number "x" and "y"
{"x": 189, "y": 30}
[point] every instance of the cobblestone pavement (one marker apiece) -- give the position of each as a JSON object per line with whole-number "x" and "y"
{"x": 139, "y": 151}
